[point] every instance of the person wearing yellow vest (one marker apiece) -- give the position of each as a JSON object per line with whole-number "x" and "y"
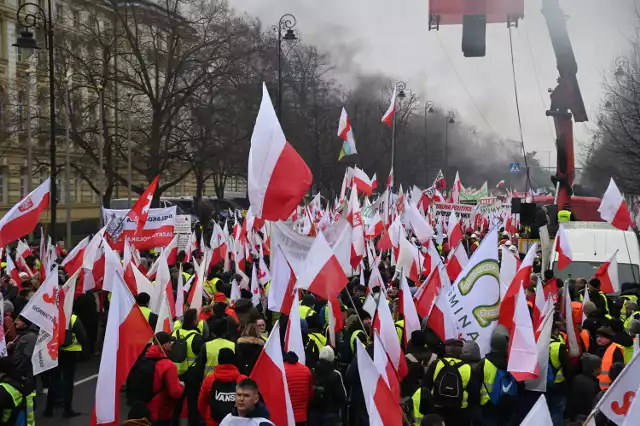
{"x": 12, "y": 391}
{"x": 455, "y": 388}
{"x": 211, "y": 285}
{"x": 562, "y": 377}
{"x": 208, "y": 356}
{"x": 487, "y": 370}
{"x": 629, "y": 313}
{"x": 191, "y": 335}
{"x": 143, "y": 300}
{"x": 62, "y": 377}
{"x": 306, "y": 306}
{"x": 565, "y": 216}
{"x": 21, "y": 349}
{"x": 329, "y": 395}
{"x": 598, "y": 297}
{"x": 609, "y": 352}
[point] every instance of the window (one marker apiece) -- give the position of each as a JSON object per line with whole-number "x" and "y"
{"x": 60, "y": 190}
{"x": 24, "y": 182}
{"x": 76, "y": 19}
{"x": 4, "y": 185}
{"x": 59, "y": 12}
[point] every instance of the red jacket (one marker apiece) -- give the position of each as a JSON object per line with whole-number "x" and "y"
{"x": 222, "y": 372}
{"x": 165, "y": 377}
{"x": 300, "y": 383}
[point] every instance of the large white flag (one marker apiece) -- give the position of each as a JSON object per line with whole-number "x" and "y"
{"x": 475, "y": 296}
{"x": 617, "y": 400}
{"x": 42, "y": 309}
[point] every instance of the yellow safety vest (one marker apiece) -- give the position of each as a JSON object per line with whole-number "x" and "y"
{"x": 74, "y": 346}
{"x": 465, "y": 374}
{"x": 489, "y": 377}
{"x": 417, "y": 415}
{"x": 213, "y": 349}
{"x": 211, "y": 286}
{"x": 190, "y": 360}
{"x": 178, "y": 324}
{"x": 305, "y": 311}
{"x": 626, "y": 297}
{"x": 564, "y": 216}
{"x": 400, "y": 330}
{"x": 318, "y": 339}
{"x": 354, "y": 339}
{"x": 554, "y": 357}
{"x": 628, "y": 353}
{"x": 16, "y": 395}
{"x": 146, "y": 312}
{"x": 606, "y": 302}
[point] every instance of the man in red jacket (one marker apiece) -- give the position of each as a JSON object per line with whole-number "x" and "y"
{"x": 218, "y": 393}
{"x": 167, "y": 387}
{"x": 300, "y": 384}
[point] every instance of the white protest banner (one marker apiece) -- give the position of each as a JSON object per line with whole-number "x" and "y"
{"x": 183, "y": 230}
{"x": 42, "y": 309}
{"x": 475, "y": 295}
{"x": 445, "y": 209}
{"x": 45, "y": 353}
{"x": 157, "y": 232}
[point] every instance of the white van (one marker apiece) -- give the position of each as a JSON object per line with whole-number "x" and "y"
{"x": 593, "y": 243}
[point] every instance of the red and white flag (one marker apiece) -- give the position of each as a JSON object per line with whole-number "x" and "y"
{"x": 572, "y": 338}
{"x": 66, "y": 297}
{"x": 140, "y": 210}
{"x": 127, "y": 333}
{"x": 385, "y": 326}
{"x": 508, "y": 305}
{"x": 419, "y": 225}
{"x": 500, "y": 184}
{"x": 171, "y": 251}
{"x": 255, "y": 286}
{"x": 323, "y": 275}
{"x": 409, "y": 260}
{"x": 73, "y": 261}
{"x": 425, "y": 297}
{"x": 281, "y": 291}
{"x": 278, "y": 178}
{"x": 390, "y": 179}
{"x": 362, "y": 182}
{"x": 345, "y": 132}
{"x": 180, "y": 294}
{"x": 293, "y": 338}
{"x": 456, "y": 262}
{"x": 508, "y": 268}
{"x": 457, "y": 189}
{"x": 613, "y": 208}
{"x": 454, "y": 230}
{"x": 264, "y": 275}
{"x": 268, "y": 372}
{"x": 607, "y": 273}
{"x": 563, "y": 248}
{"x": 23, "y": 217}
{"x": 23, "y": 249}
{"x": 388, "y": 116}
{"x": 13, "y": 272}
{"x": 354, "y": 217}
{"x": 431, "y": 258}
{"x": 408, "y": 310}
{"x": 523, "y": 354}
{"x": 378, "y": 398}
{"x": 375, "y": 227}
{"x": 441, "y": 319}
{"x": 165, "y": 322}
{"x": 42, "y": 308}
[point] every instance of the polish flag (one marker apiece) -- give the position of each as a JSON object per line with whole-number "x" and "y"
{"x": 336, "y": 320}
{"x": 426, "y": 295}
{"x": 354, "y": 217}
{"x": 66, "y": 297}
{"x": 385, "y": 367}
{"x": 137, "y": 282}
{"x": 378, "y": 397}
{"x": 293, "y": 338}
{"x": 585, "y": 299}
{"x": 345, "y": 132}
{"x": 323, "y": 275}
{"x": 127, "y": 334}
{"x": 607, "y": 273}
{"x": 456, "y": 262}
{"x": 42, "y": 308}
{"x": 500, "y": 184}
{"x": 362, "y": 181}
{"x": 388, "y": 116}
{"x": 390, "y": 179}
{"x": 431, "y": 259}
{"x": 112, "y": 266}
{"x": 180, "y": 294}
{"x": 23, "y": 217}
{"x": 409, "y": 260}
{"x": 374, "y": 181}
{"x": 73, "y": 261}
{"x": 23, "y": 249}
{"x": 454, "y": 230}
{"x": 281, "y": 291}
{"x": 255, "y": 286}
{"x": 376, "y": 227}
{"x": 278, "y": 178}
{"x": 441, "y": 319}
{"x": 613, "y": 208}
{"x": 171, "y": 251}
{"x": 457, "y": 189}
{"x": 523, "y": 354}
{"x": 264, "y": 275}
{"x": 419, "y": 225}
{"x": 508, "y": 268}
{"x": 12, "y": 272}
{"x": 165, "y": 322}
{"x": 268, "y": 372}
{"x": 508, "y": 305}
{"x": 563, "y": 248}
{"x": 140, "y": 210}
{"x": 538, "y": 306}
{"x": 408, "y": 310}
{"x": 190, "y": 247}
{"x": 385, "y": 326}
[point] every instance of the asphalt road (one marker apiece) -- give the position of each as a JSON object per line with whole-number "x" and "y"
{"x": 83, "y": 397}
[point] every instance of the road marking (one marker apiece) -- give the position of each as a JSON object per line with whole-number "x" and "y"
{"x": 79, "y": 382}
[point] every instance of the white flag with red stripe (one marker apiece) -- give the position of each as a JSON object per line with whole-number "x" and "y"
{"x": 293, "y": 338}
{"x": 323, "y": 275}
{"x": 280, "y": 296}
{"x": 454, "y": 230}
{"x": 278, "y": 177}
{"x": 386, "y": 328}
{"x": 507, "y": 307}
{"x": 419, "y": 225}
{"x": 456, "y": 261}
{"x": 408, "y": 310}
{"x": 389, "y": 115}
{"x": 523, "y": 354}
{"x": 362, "y": 181}
{"x": 563, "y": 248}
{"x": 613, "y": 208}
{"x": 607, "y": 273}
{"x": 354, "y": 217}
{"x": 23, "y": 217}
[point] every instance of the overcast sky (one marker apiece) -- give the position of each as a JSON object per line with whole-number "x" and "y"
{"x": 391, "y": 37}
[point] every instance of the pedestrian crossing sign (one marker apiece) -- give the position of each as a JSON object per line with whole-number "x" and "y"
{"x": 514, "y": 167}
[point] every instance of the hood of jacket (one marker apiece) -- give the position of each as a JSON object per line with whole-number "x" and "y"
{"x": 31, "y": 329}
{"x": 155, "y": 352}
{"x": 324, "y": 368}
{"x": 250, "y": 340}
{"x": 226, "y": 372}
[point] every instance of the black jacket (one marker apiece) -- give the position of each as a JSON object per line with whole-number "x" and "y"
{"x": 329, "y": 393}
{"x": 260, "y": 410}
{"x": 582, "y": 397}
{"x": 248, "y": 350}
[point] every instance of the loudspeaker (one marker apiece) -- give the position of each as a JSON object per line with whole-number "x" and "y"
{"x": 527, "y": 213}
{"x": 474, "y": 34}
{"x": 515, "y": 205}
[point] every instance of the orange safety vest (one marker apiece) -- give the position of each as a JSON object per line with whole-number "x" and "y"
{"x": 584, "y": 336}
{"x": 607, "y": 361}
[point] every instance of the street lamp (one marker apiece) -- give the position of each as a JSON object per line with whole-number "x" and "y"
{"x": 286, "y": 24}
{"x": 400, "y": 86}
{"x": 428, "y": 109}
{"x": 450, "y": 119}
{"x": 26, "y": 40}
{"x": 622, "y": 65}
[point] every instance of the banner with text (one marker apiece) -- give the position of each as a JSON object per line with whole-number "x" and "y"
{"x": 157, "y": 232}
{"x": 445, "y": 209}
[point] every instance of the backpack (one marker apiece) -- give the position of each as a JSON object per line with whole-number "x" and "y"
{"x": 179, "y": 347}
{"x": 505, "y": 388}
{"x": 448, "y": 391}
{"x": 140, "y": 381}
{"x": 222, "y": 399}
{"x": 551, "y": 375}
{"x": 320, "y": 397}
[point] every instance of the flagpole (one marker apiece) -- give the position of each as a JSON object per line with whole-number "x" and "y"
{"x": 400, "y": 86}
